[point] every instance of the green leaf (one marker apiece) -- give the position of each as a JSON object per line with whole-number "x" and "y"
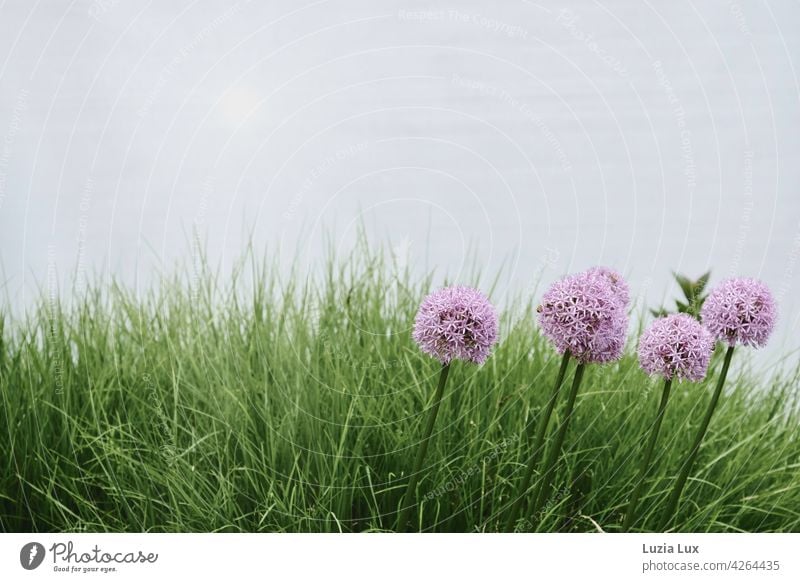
{"x": 700, "y": 284}
{"x": 686, "y": 285}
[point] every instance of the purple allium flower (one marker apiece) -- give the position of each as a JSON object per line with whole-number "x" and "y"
{"x": 740, "y": 311}
{"x": 583, "y": 314}
{"x": 618, "y": 284}
{"x": 456, "y": 323}
{"x": 676, "y": 346}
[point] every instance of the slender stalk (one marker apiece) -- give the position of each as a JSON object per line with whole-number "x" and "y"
{"x": 675, "y": 496}
{"x": 543, "y": 489}
{"x": 630, "y": 514}
{"x": 409, "y": 498}
{"x": 537, "y": 444}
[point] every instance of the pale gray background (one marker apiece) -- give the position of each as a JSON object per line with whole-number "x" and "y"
{"x": 650, "y": 136}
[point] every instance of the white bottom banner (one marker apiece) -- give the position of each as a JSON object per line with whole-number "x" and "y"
{"x": 400, "y": 557}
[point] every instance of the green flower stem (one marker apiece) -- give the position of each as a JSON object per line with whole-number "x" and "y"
{"x": 410, "y": 497}
{"x": 630, "y": 514}
{"x": 675, "y": 496}
{"x": 543, "y": 489}
{"x": 537, "y": 444}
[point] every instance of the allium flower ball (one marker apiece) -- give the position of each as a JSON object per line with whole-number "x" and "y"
{"x": 583, "y": 314}
{"x": 676, "y": 346}
{"x": 456, "y": 323}
{"x": 618, "y": 284}
{"x": 740, "y": 311}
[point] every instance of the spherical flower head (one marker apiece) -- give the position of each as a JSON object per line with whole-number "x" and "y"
{"x": 740, "y": 311}
{"x": 583, "y": 314}
{"x": 676, "y": 346}
{"x": 618, "y": 284}
{"x": 456, "y": 323}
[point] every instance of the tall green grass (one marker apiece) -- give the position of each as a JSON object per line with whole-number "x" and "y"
{"x": 265, "y": 403}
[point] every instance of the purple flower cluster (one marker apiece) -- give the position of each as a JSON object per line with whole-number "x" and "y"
{"x": 676, "y": 346}
{"x": 586, "y": 314}
{"x": 618, "y": 284}
{"x": 740, "y": 311}
{"x": 456, "y": 323}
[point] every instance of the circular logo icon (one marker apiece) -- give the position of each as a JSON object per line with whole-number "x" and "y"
{"x": 31, "y": 555}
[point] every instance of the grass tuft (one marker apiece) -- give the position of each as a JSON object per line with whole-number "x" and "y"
{"x": 293, "y": 404}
